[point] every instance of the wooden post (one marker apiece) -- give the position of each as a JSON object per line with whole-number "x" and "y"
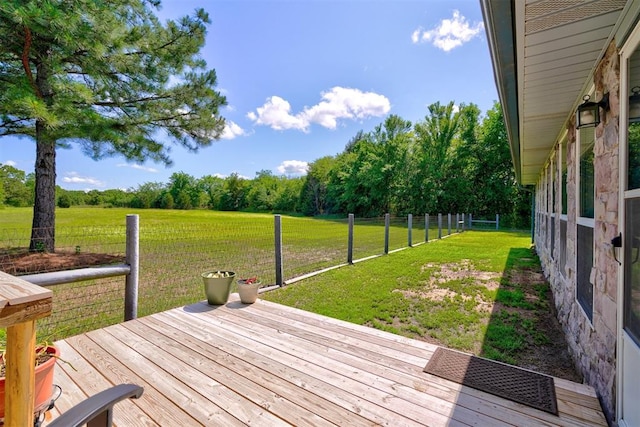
{"x": 448, "y": 224}
{"x": 133, "y": 260}
{"x": 439, "y": 226}
{"x": 409, "y": 227}
{"x": 497, "y": 221}
{"x": 350, "y": 240}
{"x": 386, "y": 233}
{"x": 20, "y": 374}
{"x": 278, "y": 248}
{"x": 426, "y": 227}
{"x": 21, "y": 304}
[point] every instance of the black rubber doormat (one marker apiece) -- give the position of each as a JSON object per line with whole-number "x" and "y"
{"x": 522, "y": 386}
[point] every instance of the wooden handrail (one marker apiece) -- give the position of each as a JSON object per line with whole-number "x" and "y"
{"x": 21, "y": 304}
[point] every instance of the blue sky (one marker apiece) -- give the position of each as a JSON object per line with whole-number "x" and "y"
{"x": 303, "y": 77}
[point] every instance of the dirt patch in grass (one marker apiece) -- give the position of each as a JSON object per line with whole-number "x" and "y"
{"x": 515, "y": 309}
{"x": 32, "y": 263}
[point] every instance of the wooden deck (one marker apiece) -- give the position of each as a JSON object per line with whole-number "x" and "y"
{"x": 267, "y": 365}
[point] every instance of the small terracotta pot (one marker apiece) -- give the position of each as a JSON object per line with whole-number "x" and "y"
{"x": 43, "y": 382}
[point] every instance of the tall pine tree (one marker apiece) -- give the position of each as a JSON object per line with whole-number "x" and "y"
{"x": 108, "y": 77}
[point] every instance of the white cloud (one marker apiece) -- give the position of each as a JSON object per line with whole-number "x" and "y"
{"x": 232, "y": 130}
{"x": 293, "y": 167}
{"x": 136, "y": 166}
{"x": 276, "y": 112}
{"x": 75, "y": 178}
{"x": 10, "y": 163}
{"x": 219, "y": 175}
{"x": 337, "y": 103}
{"x": 346, "y": 103}
{"x": 450, "y": 33}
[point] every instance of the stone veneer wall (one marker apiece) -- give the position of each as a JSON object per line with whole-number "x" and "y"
{"x": 593, "y": 346}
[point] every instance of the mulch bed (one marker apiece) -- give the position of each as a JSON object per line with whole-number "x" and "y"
{"x": 31, "y": 263}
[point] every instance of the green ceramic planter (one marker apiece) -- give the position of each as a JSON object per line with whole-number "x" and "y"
{"x": 217, "y": 289}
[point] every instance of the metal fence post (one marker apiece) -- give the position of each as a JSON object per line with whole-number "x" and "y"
{"x": 426, "y": 227}
{"x": 132, "y": 258}
{"x": 439, "y": 226}
{"x": 350, "y": 240}
{"x": 277, "y": 227}
{"x": 497, "y": 221}
{"x": 463, "y": 224}
{"x": 409, "y": 227}
{"x": 457, "y": 223}
{"x": 448, "y": 224}
{"x": 470, "y": 221}
{"x": 386, "y": 233}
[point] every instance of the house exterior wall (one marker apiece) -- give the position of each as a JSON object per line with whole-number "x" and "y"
{"x": 592, "y": 344}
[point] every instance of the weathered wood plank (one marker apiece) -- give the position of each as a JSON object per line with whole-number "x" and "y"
{"x": 414, "y": 347}
{"x": 171, "y": 398}
{"x": 14, "y": 291}
{"x": 88, "y": 381}
{"x": 12, "y": 314}
{"x": 404, "y": 373}
{"x": 574, "y": 392}
{"x": 337, "y": 338}
{"x": 243, "y": 382}
{"x": 267, "y": 364}
{"x": 176, "y": 370}
{"x": 377, "y": 390}
{"x": 304, "y": 374}
{"x": 407, "y": 388}
{"x": 259, "y": 369}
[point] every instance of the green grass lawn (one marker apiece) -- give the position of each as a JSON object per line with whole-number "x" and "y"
{"x": 176, "y": 246}
{"x": 456, "y": 291}
{"x": 462, "y": 292}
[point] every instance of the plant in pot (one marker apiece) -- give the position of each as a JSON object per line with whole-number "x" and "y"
{"x": 45, "y": 361}
{"x": 248, "y": 289}
{"x": 217, "y": 286}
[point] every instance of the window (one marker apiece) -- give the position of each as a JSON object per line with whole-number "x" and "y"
{"x": 586, "y": 172}
{"x": 562, "y": 156}
{"x": 633, "y": 154}
{"x": 564, "y": 190}
{"x": 584, "y": 288}
{"x": 552, "y": 207}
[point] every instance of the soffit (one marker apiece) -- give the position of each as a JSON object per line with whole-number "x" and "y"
{"x": 556, "y": 46}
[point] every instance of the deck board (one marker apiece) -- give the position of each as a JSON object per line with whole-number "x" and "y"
{"x": 270, "y": 365}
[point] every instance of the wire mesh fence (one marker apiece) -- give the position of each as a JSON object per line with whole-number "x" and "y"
{"x": 309, "y": 245}
{"x": 174, "y": 255}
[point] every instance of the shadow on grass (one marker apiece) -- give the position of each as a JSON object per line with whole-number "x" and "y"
{"x": 523, "y": 329}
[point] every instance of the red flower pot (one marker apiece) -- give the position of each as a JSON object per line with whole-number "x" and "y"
{"x": 44, "y": 381}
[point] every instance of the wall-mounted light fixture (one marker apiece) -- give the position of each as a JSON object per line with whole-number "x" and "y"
{"x": 634, "y": 105}
{"x": 589, "y": 112}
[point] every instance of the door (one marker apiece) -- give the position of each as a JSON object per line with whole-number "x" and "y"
{"x": 629, "y": 350}
{"x": 630, "y": 374}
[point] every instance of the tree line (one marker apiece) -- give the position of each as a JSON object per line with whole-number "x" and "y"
{"x": 453, "y": 160}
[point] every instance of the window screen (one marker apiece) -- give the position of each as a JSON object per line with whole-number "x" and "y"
{"x": 586, "y": 172}
{"x": 584, "y": 292}
{"x": 563, "y": 248}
